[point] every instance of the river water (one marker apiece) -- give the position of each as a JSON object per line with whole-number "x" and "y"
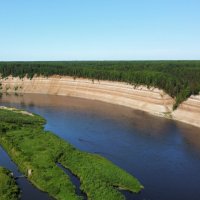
{"x": 163, "y": 154}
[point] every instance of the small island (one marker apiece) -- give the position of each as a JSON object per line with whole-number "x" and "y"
{"x": 39, "y": 155}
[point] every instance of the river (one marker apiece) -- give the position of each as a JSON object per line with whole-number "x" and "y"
{"x": 163, "y": 154}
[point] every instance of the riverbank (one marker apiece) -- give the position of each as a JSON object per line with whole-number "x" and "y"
{"x": 8, "y": 186}
{"x": 36, "y": 153}
{"x": 151, "y": 100}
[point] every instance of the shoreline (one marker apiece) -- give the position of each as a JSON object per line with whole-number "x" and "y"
{"x": 151, "y": 100}
{"x": 37, "y": 152}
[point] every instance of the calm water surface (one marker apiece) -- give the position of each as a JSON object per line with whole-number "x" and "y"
{"x": 163, "y": 154}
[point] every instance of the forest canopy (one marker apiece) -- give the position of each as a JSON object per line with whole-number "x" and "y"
{"x": 180, "y": 79}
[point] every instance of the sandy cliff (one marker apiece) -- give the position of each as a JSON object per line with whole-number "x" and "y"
{"x": 150, "y": 100}
{"x": 189, "y": 111}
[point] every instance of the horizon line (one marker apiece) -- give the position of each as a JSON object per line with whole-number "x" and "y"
{"x": 100, "y": 60}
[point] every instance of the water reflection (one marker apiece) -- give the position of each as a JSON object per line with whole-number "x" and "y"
{"x": 191, "y": 137}
{"x": 163, "y": 154}
{"x": 143, "y": 122}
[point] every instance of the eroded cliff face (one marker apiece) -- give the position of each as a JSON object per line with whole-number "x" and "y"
{"x": 189, "y": 111}
{"x": 151, "y": 100}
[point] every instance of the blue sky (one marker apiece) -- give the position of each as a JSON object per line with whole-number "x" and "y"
{"x": 99, "y": 29}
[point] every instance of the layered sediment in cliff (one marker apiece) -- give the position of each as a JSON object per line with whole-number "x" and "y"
{"x": 189, "y": 111}
{"x": 151, "y": 100}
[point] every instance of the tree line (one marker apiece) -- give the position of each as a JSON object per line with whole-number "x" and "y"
{"x": 180, "y": 79}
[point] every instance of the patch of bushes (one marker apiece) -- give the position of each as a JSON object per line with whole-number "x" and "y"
{"x": 37, "y": 150}
{"x": 8, "y": 188}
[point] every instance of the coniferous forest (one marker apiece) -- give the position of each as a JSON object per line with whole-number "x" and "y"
{"x": 180, "y": 79}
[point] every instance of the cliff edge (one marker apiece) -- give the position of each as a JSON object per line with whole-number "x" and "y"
{"x": 151, "y": 100}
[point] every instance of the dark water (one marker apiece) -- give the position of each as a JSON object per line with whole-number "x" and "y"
{"x": 75, "y": 180}
{"x": 163, "y": 154}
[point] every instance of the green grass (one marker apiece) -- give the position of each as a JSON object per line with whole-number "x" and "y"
{"x": 8, "y": 187}
{"x": 24, "y": 138}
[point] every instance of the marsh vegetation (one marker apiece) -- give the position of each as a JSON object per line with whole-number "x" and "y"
{"x": 37, "y": 152}
{"x": 8, "y": 186}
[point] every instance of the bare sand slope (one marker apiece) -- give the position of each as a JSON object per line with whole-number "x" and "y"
{"x": 189, "y": 111}
{"x": 151, "y": 100}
